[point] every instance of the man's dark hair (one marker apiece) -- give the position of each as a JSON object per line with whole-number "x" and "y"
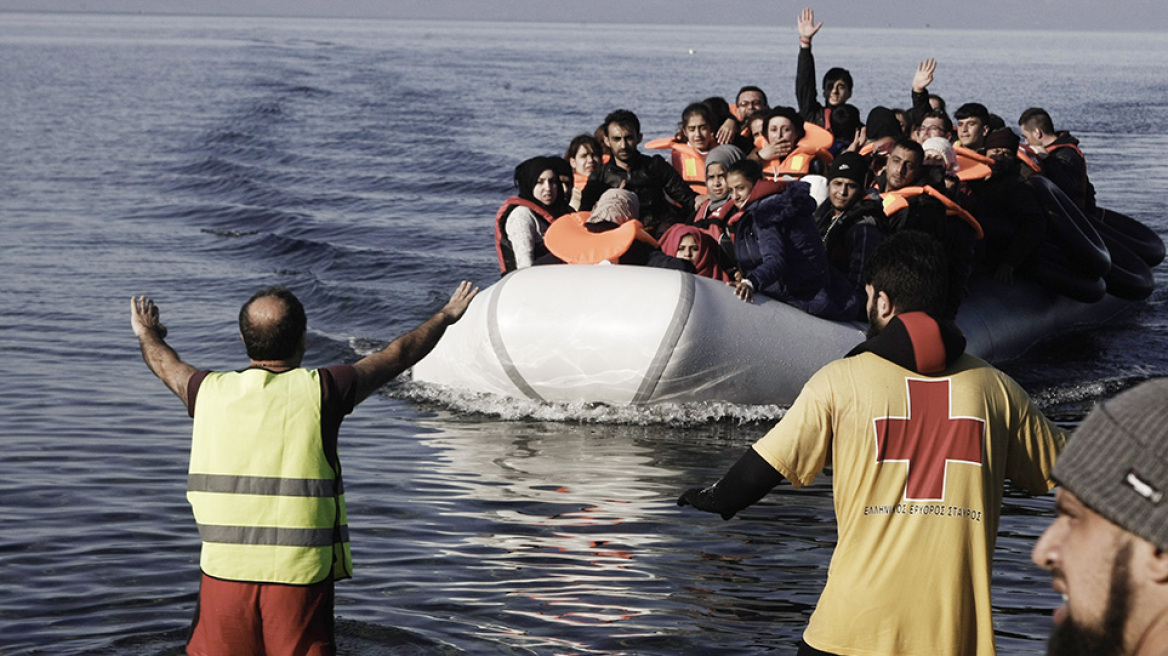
{"x": 623, "y": 118}
{"x": 750, "y": 169}
{"x": 934, "y": 113}
{"x": 751, "y": 87}
{"x": 1037, "y": 117}
{"x": 972, "y": 110}
{"x": 912, "y": 269}
{"x": 834, "y": 74}
{"x": 277, "y": 340}
{"x": 791, "y": 115}
{"x": 719, "y": 108}
{"x": 995, "y": 122}
{"x": 845, "y": 120}
{"x": 907, "y": 143}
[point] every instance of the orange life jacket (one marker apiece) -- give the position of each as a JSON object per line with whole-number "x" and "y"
{"x": 686, "y": 160}
{"x": 895, "y": 201}
{"x": 972, "y": 164}
{"x": 503, "y": 246}
{"x": 1026, "y": 156}
{"x": 578, "y": 181}
{"x": 813, "y": 146}
{"x": 570, "y": 240}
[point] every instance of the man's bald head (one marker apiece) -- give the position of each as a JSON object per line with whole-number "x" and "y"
{"x": 273, "y": 325}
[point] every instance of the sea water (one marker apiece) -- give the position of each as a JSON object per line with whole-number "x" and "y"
{"x": 360, "y": 163}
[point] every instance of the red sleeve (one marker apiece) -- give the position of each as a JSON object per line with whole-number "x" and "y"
{"x": 193, "y": 384}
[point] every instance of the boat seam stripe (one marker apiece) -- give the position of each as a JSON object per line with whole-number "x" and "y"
{"x": 677, "y": 324}
{"x": 500, "y": 349}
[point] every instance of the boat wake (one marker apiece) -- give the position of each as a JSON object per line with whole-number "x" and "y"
{"x": 504, "y": 408}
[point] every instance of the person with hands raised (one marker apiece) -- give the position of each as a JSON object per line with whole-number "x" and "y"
{"x": 264, "y": 479}
{"x": 837, "y": 82}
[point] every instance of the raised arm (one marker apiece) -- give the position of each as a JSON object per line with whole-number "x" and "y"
{"x": 806, "y": 91}
{"x": 402, "y": 353}
{"x": 920, "y": 87}
{"x": 161, "y": 359}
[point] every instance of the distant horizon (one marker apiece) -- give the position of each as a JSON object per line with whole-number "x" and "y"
{"x": 1142, "y": 16}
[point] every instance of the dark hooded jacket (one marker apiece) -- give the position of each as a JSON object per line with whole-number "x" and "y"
{"x": 780, "y": 252}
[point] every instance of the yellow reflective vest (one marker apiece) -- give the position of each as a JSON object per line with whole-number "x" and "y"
{"x": 269, "y": 505}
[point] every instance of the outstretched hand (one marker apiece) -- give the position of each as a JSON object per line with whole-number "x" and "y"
{"x": 144, "y": 318}
{"x": 459, "y": 301}
{"x": 924, "y": 75}
{"x": 702, "y": 499}
{"x": 807, "y": 26}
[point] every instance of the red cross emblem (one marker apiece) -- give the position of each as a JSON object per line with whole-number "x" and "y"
{"x": 929, "y": 439}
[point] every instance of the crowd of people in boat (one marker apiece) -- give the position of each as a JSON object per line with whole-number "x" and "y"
{"x": 791, "y": 201}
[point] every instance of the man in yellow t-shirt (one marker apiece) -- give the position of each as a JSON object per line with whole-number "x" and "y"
{"x": 921, "y": 437}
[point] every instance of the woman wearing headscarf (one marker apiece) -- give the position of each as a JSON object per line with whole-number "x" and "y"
{"x": 611, "y": 232}
{"x": 522, "y": 220}
{"x": 718, "y": 161}
{"x": 687, "y": 242}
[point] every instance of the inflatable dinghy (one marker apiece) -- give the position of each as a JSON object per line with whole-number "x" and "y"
{"x": 625, "y": 335}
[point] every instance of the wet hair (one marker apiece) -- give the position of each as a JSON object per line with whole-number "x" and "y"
{"x": 583, "y": 140}
{"x": 845, "y": 120}
{"x": 1037, "y": 117}
{"x": 912, "y": 269}
{"x": 791, "y": 115}
{"x": 751, "y": 87}
{"x": 623, "y": 118}
{"x": 972, "y": 110}
{"x": 748, "y": 168}
{"x": 835, "y": 74}
{"x": 277, "y": 340}
{"x": 528, "y": 171}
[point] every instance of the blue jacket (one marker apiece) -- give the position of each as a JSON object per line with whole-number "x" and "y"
{"x": 780, "y": 252}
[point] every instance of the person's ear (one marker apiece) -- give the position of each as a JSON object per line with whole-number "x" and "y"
{"x": 884, "y": 308}
{"x": 1157, "y": 564}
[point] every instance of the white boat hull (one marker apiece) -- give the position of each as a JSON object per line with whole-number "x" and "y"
{"x": 625, "y": 335}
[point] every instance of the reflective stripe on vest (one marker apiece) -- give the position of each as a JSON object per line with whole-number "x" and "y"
{"x": 269, "y": 506}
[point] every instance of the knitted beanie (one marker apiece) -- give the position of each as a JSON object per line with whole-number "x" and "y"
{"x": 1116, "y": 463}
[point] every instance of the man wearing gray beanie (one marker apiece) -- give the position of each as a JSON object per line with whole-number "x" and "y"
{"x": 1107, "y": 550}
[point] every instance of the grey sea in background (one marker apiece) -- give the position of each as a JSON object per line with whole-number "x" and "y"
{"x": 361, "y": 163}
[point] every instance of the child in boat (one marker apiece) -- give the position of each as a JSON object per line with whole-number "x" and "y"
{"x": 583, "y": 155}
{"x": 717, "y": 162}
{"x": 522, "y": 220}
{"x": 779, "y": 250}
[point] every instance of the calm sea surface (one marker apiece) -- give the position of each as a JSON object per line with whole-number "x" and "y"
{"x": 360, "y": 163}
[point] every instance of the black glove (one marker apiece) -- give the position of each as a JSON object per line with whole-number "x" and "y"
{"x": 747, "y": 481}
{"x": 703, "y": 499}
